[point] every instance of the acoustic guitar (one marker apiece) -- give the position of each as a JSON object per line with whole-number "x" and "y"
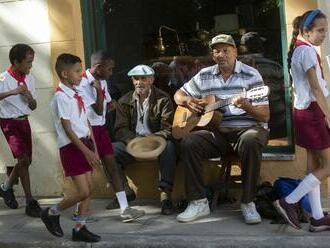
{"x": 185, "y": 120}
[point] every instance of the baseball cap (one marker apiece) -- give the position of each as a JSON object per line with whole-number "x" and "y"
{"x": 223, "y": 38}
{"x": 141, "y": 70}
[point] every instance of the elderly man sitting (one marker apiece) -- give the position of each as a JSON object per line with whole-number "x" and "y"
{"x": 147, "y": 111}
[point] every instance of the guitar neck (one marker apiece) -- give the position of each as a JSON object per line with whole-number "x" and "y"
{"x": 253, "y": 94}
{"x": 219, "y": 104}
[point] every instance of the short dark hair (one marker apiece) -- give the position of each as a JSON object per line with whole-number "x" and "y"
{"x": 18, "y": 52}
{"x": 100, "y": 57}
{"x": 64, "y": 61}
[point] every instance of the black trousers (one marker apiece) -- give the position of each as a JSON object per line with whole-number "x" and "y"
{"x": 203, "y": 144}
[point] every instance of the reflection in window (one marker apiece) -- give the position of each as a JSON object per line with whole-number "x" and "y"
{"x": 173, "y": 36}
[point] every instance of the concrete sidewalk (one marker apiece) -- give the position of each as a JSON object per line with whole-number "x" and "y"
{"x": 224, "y": 228}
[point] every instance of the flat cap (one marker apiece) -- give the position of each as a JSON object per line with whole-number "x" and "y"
{"x": 141, "y": 70}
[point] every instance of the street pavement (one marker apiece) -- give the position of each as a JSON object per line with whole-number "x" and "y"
{"x": 223, "y": 228}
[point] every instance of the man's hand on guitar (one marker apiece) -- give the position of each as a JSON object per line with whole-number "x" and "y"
{"x": 195, "y": 105}
{"x": 242, "y": 103}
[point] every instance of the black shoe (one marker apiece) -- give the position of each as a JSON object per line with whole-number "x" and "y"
{"x": 93, "y": 234}
{"x": 167, "y": 207}
{"x": 9, "y": 197}
{"x": 52, "y": 222}
{"x": 33, "y": 209}
{"x": 84, "y": 235}
{"x": 115, "y": 204}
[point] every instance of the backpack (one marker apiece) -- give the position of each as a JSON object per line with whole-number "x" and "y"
{"x": 285, "y": 185}
{"x": 265, "y": 196}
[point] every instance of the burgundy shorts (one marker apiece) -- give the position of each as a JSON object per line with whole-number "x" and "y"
{"x": 311, "y": 131}
{"x": 102, "y": 140}
{"x": 18, "y": 136}
{"x": 73, "y": 160}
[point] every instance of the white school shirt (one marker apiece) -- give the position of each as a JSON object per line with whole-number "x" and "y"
{"x": 303, "y": 58}
{"x": 15, "y": 106}
{"x": 65, "y": 106}
{"x": 89, "y": 94}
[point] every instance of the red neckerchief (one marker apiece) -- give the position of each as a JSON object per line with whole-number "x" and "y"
{"x": 103, "y": 93}
{"x": 301, "y": 43}
{"x": 84, "y": 74}
{"x": 20, "y": 78}
{"x": 80, "y": 101}
{"x": 58, "y": 89}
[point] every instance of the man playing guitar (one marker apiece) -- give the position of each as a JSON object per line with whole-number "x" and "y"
{"x": 243, "y": 126}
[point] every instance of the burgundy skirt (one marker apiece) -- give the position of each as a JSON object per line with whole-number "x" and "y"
{"x": 311, "y": 130}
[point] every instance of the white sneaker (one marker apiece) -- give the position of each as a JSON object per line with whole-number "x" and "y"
{"x": 195, "y": 210}
{"x": 131, "y": 214}
{"x": 250, "y": 213}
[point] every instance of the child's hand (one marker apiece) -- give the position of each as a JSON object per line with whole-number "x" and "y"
{"x": 27, "y": 94}
{"x": 24, "y": 91}
{"x": 97, "y": 84}
{"x": 92, "y": 159}
{"x": 21, "y": 89}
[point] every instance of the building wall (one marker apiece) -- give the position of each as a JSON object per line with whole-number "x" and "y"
{"x": 50, "y": 27}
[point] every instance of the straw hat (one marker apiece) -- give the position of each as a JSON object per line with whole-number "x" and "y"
{"x": 146, "y": 148}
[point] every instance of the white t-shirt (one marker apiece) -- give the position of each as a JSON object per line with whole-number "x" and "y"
{"x": 65, "y": 106}
{"x": 89, "y": 94}
{"x": 15, "y": 106}
{"x": 305, "y": 57}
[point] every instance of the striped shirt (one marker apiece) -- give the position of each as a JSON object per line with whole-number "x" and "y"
{"x": 210, "y": 82}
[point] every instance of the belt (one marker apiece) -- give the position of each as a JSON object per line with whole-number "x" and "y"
{"x": 19, "y": 118}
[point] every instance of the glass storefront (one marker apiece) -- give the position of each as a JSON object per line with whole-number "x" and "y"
{"x": 173, "y": 37}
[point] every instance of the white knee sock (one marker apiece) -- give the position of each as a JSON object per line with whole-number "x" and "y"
{"x": 77, "y": 208}
{"x": 122, "y": 200}
{"x": 315, "y": 202}
{"x": 306, "y": 185}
